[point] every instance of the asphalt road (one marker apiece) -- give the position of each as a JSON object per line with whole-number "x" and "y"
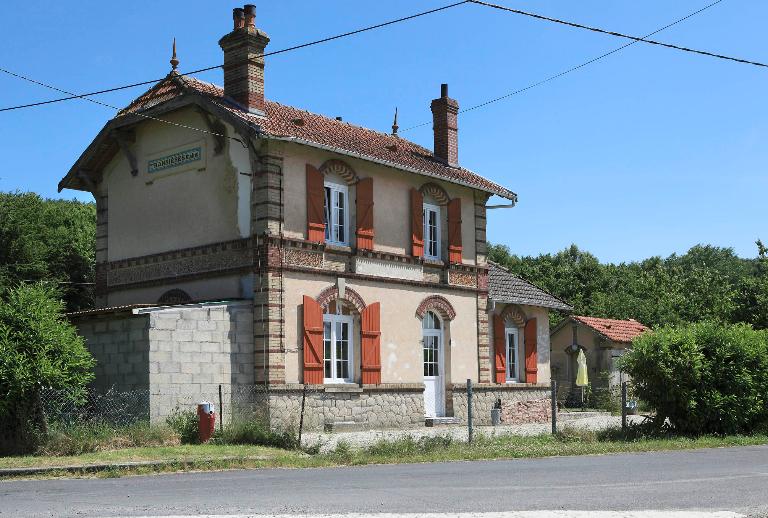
{"x": 727, "y": 479}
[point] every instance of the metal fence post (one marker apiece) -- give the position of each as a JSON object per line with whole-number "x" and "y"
{"x": 469, "y": 411}
{"x": 301, "y": 418}
{"x": 221, "y": 410}
{"x": 554, "y": 406}
{"x": 624, "y": 405}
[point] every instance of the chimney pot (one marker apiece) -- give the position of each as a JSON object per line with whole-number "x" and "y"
{"x": 445, "y": 115}
{"x": 244, "y": 61}
{"x": 250, "y": 15}
{"x": 238, "y": 16}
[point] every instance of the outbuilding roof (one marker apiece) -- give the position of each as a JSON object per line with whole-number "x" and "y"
{"x": 504, "y": 286}
{"x": 288, "y": 123}
{"x": 622, "y": 331}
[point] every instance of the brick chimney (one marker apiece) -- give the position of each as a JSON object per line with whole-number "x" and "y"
{"x": 243, "y": 61}
{"x": 445, "y": 115}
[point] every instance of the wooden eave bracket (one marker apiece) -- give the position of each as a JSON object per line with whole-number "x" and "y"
{"x": 124, "y": 139}
{"x": 85, "y": 177}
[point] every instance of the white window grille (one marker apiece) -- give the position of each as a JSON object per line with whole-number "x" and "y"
{"x": 337, "y": 348}
{"x": 513, "y": 354}
{"x": 336, "y": 214}
{"x": 431, "y": 231}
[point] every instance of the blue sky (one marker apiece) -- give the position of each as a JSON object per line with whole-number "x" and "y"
{"x": 646, "y": 152}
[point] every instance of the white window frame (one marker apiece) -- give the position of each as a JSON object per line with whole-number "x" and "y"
{"x": 425, "y": 332}
{"x": 333, "y": 319}
{"x": 428, "y": 207}
{"x": 513, "y": 377}
{"x": 331, "y": 216}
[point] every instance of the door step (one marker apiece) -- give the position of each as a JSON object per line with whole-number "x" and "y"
{"x": 440, "y": 421}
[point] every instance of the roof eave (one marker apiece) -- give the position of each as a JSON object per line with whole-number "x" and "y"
{"x": 508, "y": 195}
{"x": 189, "y": 98}
{"x": 566, "y": 308}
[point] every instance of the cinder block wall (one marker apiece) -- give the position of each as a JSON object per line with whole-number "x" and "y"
{"x": 120, "y": 346}
{"x": 194, "y": 349}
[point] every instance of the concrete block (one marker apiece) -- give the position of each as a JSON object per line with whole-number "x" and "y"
{"x": 201, "y": 336}
{"x": 207, "y": 325}
{"x": 157, "y": 335}
{"x": 170, "y": 367}
{"x": 181, "y": 336}
{"x": 164, "y": 322}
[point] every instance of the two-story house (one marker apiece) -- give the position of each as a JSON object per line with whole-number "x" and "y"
{"x": 245, "y": 243}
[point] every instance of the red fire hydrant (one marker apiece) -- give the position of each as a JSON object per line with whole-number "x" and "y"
{"x": 206, "y": 421}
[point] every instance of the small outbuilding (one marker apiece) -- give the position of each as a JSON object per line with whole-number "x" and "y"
{"x": 603, "y": 341}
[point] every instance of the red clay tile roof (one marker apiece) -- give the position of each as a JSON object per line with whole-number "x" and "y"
{"x": 281, "y": 122}
{"x": 623, "y": 331}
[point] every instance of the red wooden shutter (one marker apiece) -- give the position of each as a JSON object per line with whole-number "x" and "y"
{"x": 417, "y": 223}
{"x": 531, "y": 355}
{"x": 371, "y": 345}
{"x": 500, "y": 346}
{"x": 313, "y": 341}
{"x": 454, "y": 231}
{"x": 365, "y": 214}
{"x": 315, "y": 205}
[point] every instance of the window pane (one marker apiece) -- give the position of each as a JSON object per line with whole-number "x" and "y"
{"x": 327, "y": 350}
{"x": 327, "y": 212}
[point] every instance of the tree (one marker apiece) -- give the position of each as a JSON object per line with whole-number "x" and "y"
{"x": 52, "y": 240}
{"x": 752, "y": 296}
{"x": 38, "y": 349}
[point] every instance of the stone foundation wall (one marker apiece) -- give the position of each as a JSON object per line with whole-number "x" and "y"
{"x": 520, "y": 403}
{"x": 378, "y": 407}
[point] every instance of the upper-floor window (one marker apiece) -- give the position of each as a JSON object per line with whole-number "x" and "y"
{"x": 336, "y": 214}
{"x": 431, "y": 231}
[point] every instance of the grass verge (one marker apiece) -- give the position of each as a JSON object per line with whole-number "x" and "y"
{"x": 405, "y": 450}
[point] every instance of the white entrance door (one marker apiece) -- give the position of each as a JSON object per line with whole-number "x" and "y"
{"x": 434, "y": 384}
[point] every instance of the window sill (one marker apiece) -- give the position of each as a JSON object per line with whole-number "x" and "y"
{"x": 336, "y": 247}
{"x": 433, "y": 262}
{"x": 340, "y": 387}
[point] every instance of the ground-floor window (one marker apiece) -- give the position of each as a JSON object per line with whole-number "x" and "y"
{"x": 513, "y": 354}
{"x": 337, "y": 346}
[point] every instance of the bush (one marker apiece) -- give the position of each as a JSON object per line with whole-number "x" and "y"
{"x": 184, "y": 423}
{"x": 704, "y": 378}
{"x": 39, "y": 349}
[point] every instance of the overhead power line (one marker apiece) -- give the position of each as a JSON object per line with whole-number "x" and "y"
{"x": 572, "y": 69}
{"x": 72, "y": 96}
{"x": 644, "y": 39}
{"x": 107, "y": 105}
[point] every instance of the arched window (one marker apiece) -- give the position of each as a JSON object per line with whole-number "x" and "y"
{"x": 173, "y": 297}
{"x": 338, "y": 343}
{"x": 514, "y": 353}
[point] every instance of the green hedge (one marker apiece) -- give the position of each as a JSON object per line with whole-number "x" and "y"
{"x": 704, "y": 378}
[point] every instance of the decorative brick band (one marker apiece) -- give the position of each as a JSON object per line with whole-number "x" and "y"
{"x": 436, "y": 303}
{"x": 513, "y": 313}
{"x": 217, "y": 258}
{"x": 332, "y": 293}
{"x": 435, "y": 191}
{"x": 340, "y": 168}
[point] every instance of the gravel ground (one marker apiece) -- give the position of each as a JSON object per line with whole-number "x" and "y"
{"x": 357, "y": 439}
